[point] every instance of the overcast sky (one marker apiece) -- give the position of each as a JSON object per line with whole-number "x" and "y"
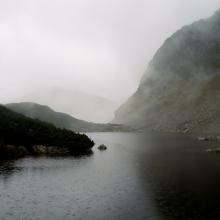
{"x": 97, "y": 46}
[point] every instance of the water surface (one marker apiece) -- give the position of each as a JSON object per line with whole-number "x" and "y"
{"x": 140, "y": 176}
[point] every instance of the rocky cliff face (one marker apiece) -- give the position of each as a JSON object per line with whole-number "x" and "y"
{"x": 180, "y": 91}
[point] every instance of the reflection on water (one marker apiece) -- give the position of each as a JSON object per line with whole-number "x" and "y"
{"x": 7, "y": 168}
{"x": 184, "y": 178}
{"x": 138, "y": 177}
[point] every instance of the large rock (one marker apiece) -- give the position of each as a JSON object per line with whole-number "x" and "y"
{"x": 180, "y": 91}
{"x": 102, "y": 147}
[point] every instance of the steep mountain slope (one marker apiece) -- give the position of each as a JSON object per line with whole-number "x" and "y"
{"x": 60, "y": 120}
{"x": 180, "y": 91}
{"x": 76, "y": 103}
{"x": 18, "y": 130}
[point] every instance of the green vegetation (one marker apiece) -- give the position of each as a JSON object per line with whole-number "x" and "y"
{"x": 17, "y": 130}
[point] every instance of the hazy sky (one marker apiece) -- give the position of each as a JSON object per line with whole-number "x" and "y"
{"x": 97, "y": 46}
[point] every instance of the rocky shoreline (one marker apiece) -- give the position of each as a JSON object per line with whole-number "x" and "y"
{"x": 12, "y": 151}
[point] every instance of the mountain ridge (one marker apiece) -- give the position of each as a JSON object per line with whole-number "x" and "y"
{"x": 180, "y": 90}
{"x": 61, "y": 120}
{"x": 91, "y": 108}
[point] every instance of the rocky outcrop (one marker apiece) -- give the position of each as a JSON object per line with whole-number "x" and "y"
{"x": 180, "y": 91}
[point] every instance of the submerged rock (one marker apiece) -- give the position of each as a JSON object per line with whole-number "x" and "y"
{"x": 102, "y": 147}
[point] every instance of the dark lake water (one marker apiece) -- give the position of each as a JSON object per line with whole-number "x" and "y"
{"x": 139, "y": 177}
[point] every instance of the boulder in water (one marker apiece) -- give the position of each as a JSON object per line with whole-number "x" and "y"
{"x": 102, "y": 147}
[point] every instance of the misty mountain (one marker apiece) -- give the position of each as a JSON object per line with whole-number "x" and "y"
{"x": 180, "y": 91}
{"x": 18, "y": 130}
{"x": 61, "y": 120}
{"x": 76, "y": 103}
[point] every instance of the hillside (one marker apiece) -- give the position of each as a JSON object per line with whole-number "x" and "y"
{"x": 79, "y": 104}
{"x": 18, "y": 130}
{"x": 61, "y": 120}
{"x": 180, "y": 91}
